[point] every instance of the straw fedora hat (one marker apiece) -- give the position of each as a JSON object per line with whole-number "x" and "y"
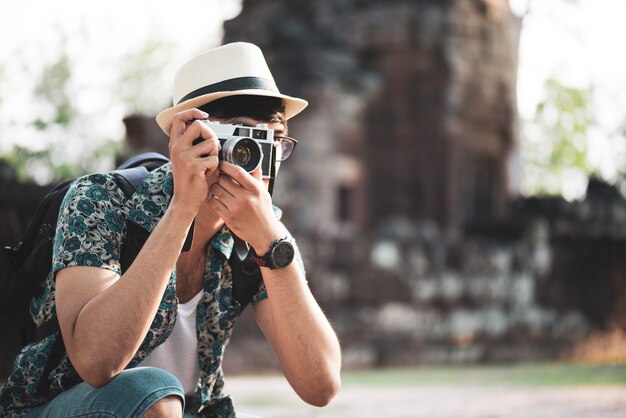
{"x": 230, "y": 70}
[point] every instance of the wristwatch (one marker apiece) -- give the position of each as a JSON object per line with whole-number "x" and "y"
{"x": 279, "y": 256}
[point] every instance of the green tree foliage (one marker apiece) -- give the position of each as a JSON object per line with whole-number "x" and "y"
{"x": 555, "y": 142}
{"x": 67, "y": 145}
{"x": 143, "y": 77}
{"x": 43, "y": 166}
{"x": 54, "y": 89}
{"x": 58, "y": 130}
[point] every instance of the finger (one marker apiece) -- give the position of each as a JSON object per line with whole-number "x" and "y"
{"x": 209, "y": 164}
{"x": 205, "y": 148}
{"x": 197, "y": 129}
{"x": 218, "y": 206}
{"x": 240, "y": 175}
{"x": 227, "y": 183}
{"x": 182, "y": 119}
{"x": 221, "y": 193}
{"x": 258, "y": 173}
{"x": 200, "y": 168}
{"x": 211, "y": 176}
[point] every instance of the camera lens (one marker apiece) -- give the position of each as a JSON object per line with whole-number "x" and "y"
{"x": 244, "y": 152}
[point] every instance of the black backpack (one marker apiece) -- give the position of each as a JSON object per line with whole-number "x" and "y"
{"x": 29, "y": 263}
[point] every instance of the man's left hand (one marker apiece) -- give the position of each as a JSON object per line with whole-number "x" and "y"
{"x": 241, "y": 199}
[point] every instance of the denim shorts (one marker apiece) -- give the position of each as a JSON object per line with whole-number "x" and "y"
{"x": 130, "y": 394}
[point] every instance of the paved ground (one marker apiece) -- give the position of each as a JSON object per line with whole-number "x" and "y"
{"x": 271, "y": 397}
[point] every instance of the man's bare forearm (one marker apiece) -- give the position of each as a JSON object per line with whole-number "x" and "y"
{"x": 111, "y": 326}
{"x": 305, "y": 342}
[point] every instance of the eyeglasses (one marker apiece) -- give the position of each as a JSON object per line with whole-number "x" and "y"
{"x": 284, "y": 147}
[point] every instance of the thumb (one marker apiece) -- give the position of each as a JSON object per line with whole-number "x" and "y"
{"x": 257, "y": 173}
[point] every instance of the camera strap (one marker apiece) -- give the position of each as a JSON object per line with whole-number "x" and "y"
{"x": 270, "y": 187}
{"x": 242, "y": 248}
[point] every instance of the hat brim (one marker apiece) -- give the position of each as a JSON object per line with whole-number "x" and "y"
{"x": 293, "y": 105}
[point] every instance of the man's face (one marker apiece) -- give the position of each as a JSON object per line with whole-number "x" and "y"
{"x": 278, "y": 127}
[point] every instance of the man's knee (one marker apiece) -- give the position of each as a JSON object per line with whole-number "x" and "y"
{"x": 143, "y": 391}
{"x": 147, "y": 387}
{"x": 170, "y": 406}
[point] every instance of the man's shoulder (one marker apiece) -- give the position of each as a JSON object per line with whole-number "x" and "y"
{"x": 95, "y": 188}
{"x": 113, "y": 187}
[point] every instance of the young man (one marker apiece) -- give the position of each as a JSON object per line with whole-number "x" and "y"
{"x": 149, "y": 340}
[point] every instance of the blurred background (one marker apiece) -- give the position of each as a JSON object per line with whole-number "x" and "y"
{"x": 458, "y": 190}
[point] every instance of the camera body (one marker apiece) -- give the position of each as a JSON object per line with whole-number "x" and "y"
{"x": 246, "y": 146}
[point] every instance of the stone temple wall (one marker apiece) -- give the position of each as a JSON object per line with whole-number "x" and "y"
{"x": 412, "y": 108}
{"x": 546, "y": 283}
{"x": 401, "y": 194}
{"x": 404, "y": 148}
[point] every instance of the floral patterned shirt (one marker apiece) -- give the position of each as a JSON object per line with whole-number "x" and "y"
{"x": 91, "y": 230}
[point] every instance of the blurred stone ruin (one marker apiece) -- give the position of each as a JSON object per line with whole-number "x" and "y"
{"x": 403, "y": 195}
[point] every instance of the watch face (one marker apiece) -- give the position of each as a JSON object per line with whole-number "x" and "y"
{"x": 283, "y": 254}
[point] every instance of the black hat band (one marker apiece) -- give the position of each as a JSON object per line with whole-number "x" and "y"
{"x": 234, "y": 84}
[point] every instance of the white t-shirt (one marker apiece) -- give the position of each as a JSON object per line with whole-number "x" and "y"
{"x": 179, "y": 353}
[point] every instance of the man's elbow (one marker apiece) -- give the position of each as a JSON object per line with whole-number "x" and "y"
{"x": 100, "y": 380}
{"x": 94, "y": 372}
{"x": 324, "y": 392}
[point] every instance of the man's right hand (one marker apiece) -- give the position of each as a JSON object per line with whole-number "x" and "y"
{"x": 194, "y": 167}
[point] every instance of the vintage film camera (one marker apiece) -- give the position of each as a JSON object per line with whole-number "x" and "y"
{"x": 245, "y": 146}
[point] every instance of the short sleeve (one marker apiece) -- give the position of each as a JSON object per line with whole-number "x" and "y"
{"x": 261, "y": 294}
{"x": 90, "y": 226}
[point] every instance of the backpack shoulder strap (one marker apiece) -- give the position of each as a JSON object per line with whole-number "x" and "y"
{"x": 130, "y": 174}
{"x": 150, "y": 160}
{"x": 129, "y": 179}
